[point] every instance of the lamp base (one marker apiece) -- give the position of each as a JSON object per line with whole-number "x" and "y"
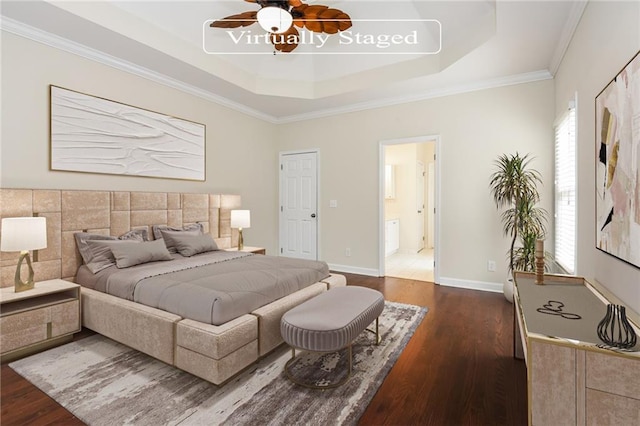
{"x": 240, "y": 240}
{"x": 20, "y": 285}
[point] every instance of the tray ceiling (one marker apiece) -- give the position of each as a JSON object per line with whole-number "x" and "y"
{"x": 482, "y": 43}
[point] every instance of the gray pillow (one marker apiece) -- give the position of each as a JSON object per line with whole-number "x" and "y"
{"x": 83, "y": 237}
{"x": 131, "y": 253}
{"x": 124, "y": 254}
{"x": 137, "y": 235}
{"x": 101, "y": 256}
{"x": 157, "y": 229}
{"x": 189, "y": 245}
{"x": 194, "y": 229}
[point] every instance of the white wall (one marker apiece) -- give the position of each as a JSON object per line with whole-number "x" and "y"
{"x": 402, "y": 207}
{"x": 474, "y": 129}
{"x": 607, "y": 37}
{"x": 240, "y": 155}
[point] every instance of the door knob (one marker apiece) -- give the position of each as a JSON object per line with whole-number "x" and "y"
{"x": 313, "y": 215}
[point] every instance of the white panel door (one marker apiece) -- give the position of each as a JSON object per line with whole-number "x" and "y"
{"x": 298, "y": 205}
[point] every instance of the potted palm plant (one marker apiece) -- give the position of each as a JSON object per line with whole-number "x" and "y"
{"x": 514, "y": 187}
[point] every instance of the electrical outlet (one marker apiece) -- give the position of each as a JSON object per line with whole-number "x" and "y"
{"x": 333, "y": 204}
{"x": 347, "y": 252}
{"x": 491, "y": 265}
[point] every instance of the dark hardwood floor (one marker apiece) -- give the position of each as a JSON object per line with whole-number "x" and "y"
{"x": 457, "y": 369}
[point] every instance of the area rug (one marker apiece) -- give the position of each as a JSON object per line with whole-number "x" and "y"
{"x": 105, "y": 383}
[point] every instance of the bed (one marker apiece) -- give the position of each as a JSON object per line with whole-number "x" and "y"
{"x": 213, "y": 346}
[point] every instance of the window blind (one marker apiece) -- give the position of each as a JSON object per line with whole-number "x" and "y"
{"x": 565, "y": 191}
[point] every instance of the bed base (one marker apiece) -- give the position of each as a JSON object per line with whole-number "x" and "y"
{"x": 213, "y": 353}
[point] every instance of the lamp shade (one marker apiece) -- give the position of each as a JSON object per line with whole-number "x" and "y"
{"x": 274, "y": 19}
{"x": 240, "y": 218}
{"x": 23, "y": 233}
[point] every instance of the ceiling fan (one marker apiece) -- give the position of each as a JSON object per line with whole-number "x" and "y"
{"x": 281, "y": 17}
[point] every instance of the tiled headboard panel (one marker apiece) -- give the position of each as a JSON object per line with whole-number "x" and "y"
{"x": 108, "y": 213}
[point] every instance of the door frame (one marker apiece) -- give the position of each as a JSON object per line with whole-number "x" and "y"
{"x": 382, "y": 154}
{"x": 281, "y": 154}
{"x": 424, "y": 203}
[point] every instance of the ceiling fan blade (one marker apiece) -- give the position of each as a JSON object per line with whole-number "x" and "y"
{"x": 294, "y": 3}
{"x": 327, "y": 17}
{"x": 344, "y": 21}
{"x": 310, "y": 17}
{"x": 235, "y": 21}
{"x": 314, "y": 10}
{"x": 321, "y": 19}
{"x": 330, "y": 27}
{"x": 287, "y": 41}
{"x": 329, "y": 14}
{"x": 314, "y": 25}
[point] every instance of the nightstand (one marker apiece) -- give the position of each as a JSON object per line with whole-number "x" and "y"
{"x": 38, "y": 319}
{"x": 247, "y": 249}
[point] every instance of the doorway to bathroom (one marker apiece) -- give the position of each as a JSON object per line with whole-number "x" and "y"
{"x": 408, "y": 210}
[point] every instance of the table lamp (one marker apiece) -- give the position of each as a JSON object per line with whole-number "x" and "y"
{"x": 23, "y": 234}
{"x": 240, "y": 219}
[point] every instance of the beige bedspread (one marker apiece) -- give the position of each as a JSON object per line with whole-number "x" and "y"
{"x": 213, "y": 287}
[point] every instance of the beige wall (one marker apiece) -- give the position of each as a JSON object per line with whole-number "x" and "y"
{"x": 474, "y": 129}
{"x": 239, "y": 149}
{"x": 242, "y": 151}
{"x": 607, "y": 37}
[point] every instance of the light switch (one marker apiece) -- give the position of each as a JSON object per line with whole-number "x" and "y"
{"x": 333, "y": 203}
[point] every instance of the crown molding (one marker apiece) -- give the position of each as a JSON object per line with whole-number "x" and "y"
{"x": 429, "y": 94}
{"x": 23, "y": 30}
{"x": 570, "y": 26}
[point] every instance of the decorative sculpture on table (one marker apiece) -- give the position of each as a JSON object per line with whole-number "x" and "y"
{"x": 554, "y": 307}
{"x": 615, "y": 330}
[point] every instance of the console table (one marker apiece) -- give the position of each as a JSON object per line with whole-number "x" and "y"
{"x": 572, "y": 377}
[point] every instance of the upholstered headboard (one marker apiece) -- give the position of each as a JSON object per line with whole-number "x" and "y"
{"x": 108, "y": 213}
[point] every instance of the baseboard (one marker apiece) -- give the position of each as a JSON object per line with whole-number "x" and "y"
{"x": 354, "y": 270}
{"x": 449, "y": 282}
{"x": 472, "y": 285}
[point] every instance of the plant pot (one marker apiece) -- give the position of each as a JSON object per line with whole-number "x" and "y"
{"x": 507, "y": 288}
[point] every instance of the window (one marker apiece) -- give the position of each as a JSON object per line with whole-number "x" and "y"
{"x": 565, "y": 189}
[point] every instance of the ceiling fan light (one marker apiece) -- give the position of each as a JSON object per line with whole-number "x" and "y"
{"x": 274, "y": 19}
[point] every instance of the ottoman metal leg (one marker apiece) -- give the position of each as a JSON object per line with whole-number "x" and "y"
{"x": 376, "y": 332}
{"x": 312, "y": 386}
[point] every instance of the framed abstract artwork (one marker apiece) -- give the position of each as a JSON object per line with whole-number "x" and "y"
{"x": 618, "y": 165}
{"x": 96, "y": 135}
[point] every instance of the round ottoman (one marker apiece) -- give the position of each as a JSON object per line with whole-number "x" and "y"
{"x": 330, "y": 322}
